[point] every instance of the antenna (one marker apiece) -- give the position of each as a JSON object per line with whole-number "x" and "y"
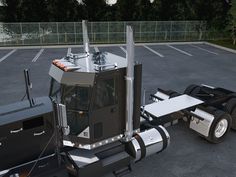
{"x": 28, "y": 87}
{"x": 85, "y": 36}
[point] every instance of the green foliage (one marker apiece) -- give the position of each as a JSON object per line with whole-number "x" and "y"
{"x": 224, "y": 43}
{"x": 233, "y": 10}
{"x": 215, "y": 12}
{"x": 62, "y": 11}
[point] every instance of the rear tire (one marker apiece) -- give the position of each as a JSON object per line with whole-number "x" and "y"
{"x": 174, "y": 94}
{"x": 192, "y": 90}
{"x": 189, "y": 89}
{"x": 230, "y": 108}
{"x": 220, "y": 127}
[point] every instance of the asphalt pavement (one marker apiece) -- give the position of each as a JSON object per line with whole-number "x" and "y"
{"x": 167, "y": 66}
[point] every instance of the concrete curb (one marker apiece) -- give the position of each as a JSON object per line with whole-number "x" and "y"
{"x": 170, "y": 43}
{"x": 221, "y": 47}
{"x": 99, "y": 45}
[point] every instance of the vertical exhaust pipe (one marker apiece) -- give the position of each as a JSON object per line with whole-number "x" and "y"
{"x": 85, "y": 36}
{"x": 86, "y": 42}
{"x": 129, "y": 83}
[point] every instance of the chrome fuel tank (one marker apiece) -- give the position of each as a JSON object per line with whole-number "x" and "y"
{"x": 149, "y": 142}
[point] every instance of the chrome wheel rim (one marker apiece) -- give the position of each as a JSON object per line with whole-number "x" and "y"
{"x": 221, "y": 128}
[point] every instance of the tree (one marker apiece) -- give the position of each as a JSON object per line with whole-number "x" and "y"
{"x": 145, "y": 10}
{"x": 95, "y": 9}
{"x": 233, "y": 34}
{"x": 33, "y": 11}
{"x": 110, "y": 13}
{"x": 12, "y": 6}
{"x": 127, "y": 10}
{"x": 215, "y": 12}
{"x": 63, "y": 11}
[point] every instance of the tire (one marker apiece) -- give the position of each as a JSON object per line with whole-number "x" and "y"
{"x": 230, "y": 108}
{"x": 192, "y": 90}
{"x": 195, "y": 91}
{"x": 222, "y": 120}
{"x": 174, "y": 94}
{"x": 170, "y": 92}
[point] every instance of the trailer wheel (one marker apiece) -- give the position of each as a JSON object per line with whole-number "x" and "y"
{"x": 230, "y": 108}
{"x": 192, "y": 90}
{"x": 220, "y": 127}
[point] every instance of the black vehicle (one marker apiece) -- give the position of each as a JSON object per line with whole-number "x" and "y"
{"x": 93, "y": 122}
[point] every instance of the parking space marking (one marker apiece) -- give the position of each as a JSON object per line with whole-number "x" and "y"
{"x": 179, "y": 50}
{"x": 153, "y": 51}
{"x": 7, "y": 55}
{"x": 123, "y": 49}
{"x": 200, "y": 48}
{"x": 37, "y": 55}
{"x": 68, "y": 51}
{"x": 96, "y": 49}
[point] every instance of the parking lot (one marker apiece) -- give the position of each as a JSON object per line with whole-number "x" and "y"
{"x": 168, "y": 66}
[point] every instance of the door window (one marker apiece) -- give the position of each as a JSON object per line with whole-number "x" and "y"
{"x": 106, "y": 93}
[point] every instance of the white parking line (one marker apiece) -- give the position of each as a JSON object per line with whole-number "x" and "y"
{"x": 123, "y": 49}
{"x": 160, "y": 55}
{"x": 7, "y": 55}
{"x": 203, "y": 49}
{"x": 68, "y": 51}
{"x": 37, "y": 55}
{"x": 96, "y": 49}
{"x": 181, "y": 51}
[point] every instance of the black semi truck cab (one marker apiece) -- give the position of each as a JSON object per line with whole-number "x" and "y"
{"x": 93, "y": 89}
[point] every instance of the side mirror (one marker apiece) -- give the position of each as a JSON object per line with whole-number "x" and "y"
{"x": 62, "y": 119}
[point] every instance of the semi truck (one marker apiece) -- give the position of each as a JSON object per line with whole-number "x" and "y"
{"x": 93, "y": 121}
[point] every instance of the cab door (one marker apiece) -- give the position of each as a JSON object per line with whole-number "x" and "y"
{"x": 105, "y": 115}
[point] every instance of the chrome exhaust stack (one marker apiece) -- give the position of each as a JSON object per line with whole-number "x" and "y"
{"x": 129, "y": 84}
{"x": 85, "y": 36}
{"x": 155, "y": 138}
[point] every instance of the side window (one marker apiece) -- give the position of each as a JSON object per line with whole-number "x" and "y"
{"x": 106, "y": 93}
{"x": 76, "y": 98}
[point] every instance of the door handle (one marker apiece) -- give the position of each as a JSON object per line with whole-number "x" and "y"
{"x": 43, "y": 166}
{"x": 39, "y": 133}
{"x": 16, "y": 131}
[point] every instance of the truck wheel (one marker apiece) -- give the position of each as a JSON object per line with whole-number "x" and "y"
{"x": 189, "y": 89}
{"x": 192, "y": 90}
{"x": 220, "y": 127}
{"x": 174, "y": 94}
{"x": 230, "y": 108}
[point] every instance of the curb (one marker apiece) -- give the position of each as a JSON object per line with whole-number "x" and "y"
{"x": 221, "y": 47}
{"x": 99, "y": 45}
